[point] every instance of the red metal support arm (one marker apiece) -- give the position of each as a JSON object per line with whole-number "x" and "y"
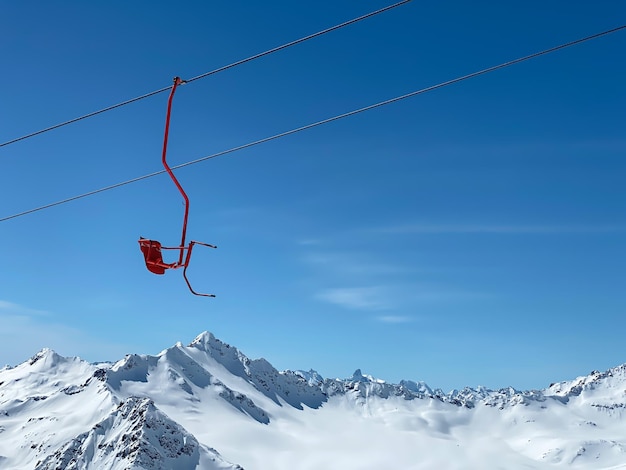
{"x": 177, "y": 81}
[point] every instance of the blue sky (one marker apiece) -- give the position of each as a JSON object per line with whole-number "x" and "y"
{"x": 472, "y": 235}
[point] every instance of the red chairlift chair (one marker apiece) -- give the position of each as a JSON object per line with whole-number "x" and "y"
{"x": 151, "y": 249}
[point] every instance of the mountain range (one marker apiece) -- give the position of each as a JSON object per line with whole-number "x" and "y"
{"x": 208, "y": 406}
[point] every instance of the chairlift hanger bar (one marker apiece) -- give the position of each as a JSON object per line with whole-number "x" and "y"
{"x": 151, "y": 249}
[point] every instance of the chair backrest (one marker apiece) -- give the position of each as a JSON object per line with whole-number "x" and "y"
{"x": 151, "y": 250}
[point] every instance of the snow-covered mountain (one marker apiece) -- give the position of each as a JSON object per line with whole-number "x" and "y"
{"x": 208, "y": 406}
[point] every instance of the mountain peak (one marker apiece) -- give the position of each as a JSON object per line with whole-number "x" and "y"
{"x": 46, "y": 358}
{"x": 135, "y": 435}
{"x": 203, "y": 338}
{"x": 357, "y": 376}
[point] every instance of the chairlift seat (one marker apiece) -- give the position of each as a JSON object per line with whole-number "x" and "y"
{"x": 151, "y": 250}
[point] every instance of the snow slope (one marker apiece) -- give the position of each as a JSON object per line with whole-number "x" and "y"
{"x": 208, "y": 406}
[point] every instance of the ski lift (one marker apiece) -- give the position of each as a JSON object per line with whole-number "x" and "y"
{"x": 152, "y": 249}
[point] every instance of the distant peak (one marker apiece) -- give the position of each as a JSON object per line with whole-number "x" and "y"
{"x": 359, "y": 377}
{"x": 312, "y": 377}
{"x": 216, "y": 348}
{"x": 47, "y": 357}
{"x": 203, "y": 339}
{"x": 417, "y": 387}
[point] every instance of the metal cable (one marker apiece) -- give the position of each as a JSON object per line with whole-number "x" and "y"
{"x": 56, "y": 126}
{"x": 221, "y": 69}
{"x": 323, "y": 121}
{"x": 298, "y": 41}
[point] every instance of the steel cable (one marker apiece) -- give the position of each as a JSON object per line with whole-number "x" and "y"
{"x": 324, "y": 121}
{"x": 204, "y": 75}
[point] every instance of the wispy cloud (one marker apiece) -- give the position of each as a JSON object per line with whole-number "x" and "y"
{"x": 309, "y": 242}
{"x": 343, "y": 265}
{"x": 11, "y": 307}
{"x": 394, "y": 319}
{"x": 356, "y": 298}
{"x": 370, "y": 283}
{"x": 497, "y": 229}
